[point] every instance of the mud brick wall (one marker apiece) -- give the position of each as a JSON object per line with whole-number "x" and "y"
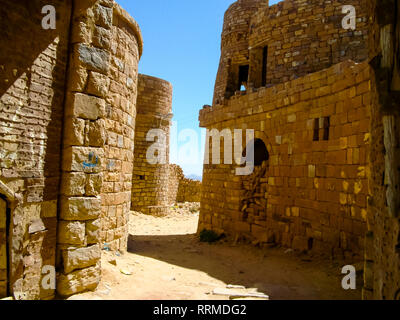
{"x": 150, "y": 182}
{"x": 31, "y": 111}
{"x": 304, "y": 37}
{"x": 313, "y": 195}
{"x": 98, "y": 141}
{"x": 382, "y": 253}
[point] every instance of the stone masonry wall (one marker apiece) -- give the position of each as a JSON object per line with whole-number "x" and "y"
{"x": 58, "y": 205}
{"x": 120, "y": 130}
{"x": 182, "y": 189}
{"x": 382, "y": 253}
{"x": 32, "y": 72}
{"x": 234, "y": 45}
{"x": 98, "y": 139}
{"x": 285, "y": 41}
{"x": 313, "y": 193}
{"x": 304, "y": 37}
{"x": 150, "y": 183}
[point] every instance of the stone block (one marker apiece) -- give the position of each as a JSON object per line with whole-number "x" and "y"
{"x": 94, "y": 184}
{"x": 87, "y": 107}
{"x": 93, "y": 231}
{"x": 83, "y": 159}
{"x": 97, "y": 133}
{"x": 73, "y": 184}
{"x": 71, "y": 232}
{"x": 80, "y": 208}
{"x": 98, "y": 84}
{"x": 93, "y": 59}
{"x": 103, "y": 16}
{"x": 74, "y": 132}
{"x": 81, "y": 258}
{"x": 79, "y": 281}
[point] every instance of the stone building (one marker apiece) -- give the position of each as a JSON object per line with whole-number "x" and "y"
{"x": 292, "y": 74}
{"x": 151, "y": 181}
{"x": 68, "y": 115}
{"x": 382, "y": 252}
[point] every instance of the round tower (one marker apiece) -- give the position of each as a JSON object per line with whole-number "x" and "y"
{"x": 234, "y": 62}
{"x": 154, "y": 111}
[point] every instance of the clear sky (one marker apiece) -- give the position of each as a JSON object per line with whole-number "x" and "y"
{"x": 182, "y": 45}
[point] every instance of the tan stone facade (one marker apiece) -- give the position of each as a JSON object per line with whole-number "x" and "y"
{"x": 150, "y": 184}
{"x": 310, "y": 109}
{"x": 68, "y": 117}
{"x": 67, "y": 137}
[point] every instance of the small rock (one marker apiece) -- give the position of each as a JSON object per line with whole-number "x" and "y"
{"x": 113, "y": 262}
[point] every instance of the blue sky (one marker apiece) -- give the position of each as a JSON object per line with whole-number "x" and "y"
{"x": 182, "y": 46}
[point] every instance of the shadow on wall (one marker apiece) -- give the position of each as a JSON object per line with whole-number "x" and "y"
{"x": 33, "y": 65}
{"x": 31, "y": 105}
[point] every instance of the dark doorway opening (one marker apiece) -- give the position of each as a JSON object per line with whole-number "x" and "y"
{"x": 260, "y": 152}
{"x": 243, "y": 76}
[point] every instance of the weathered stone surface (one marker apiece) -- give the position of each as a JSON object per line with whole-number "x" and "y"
{"x": 71, "y": 232}
{"x": 79, "y": 281}
{"x": 73, "y": 184}
{"x": 94, "y": 184}
{"x": 93, "y": 231}
{"x": 83, "y": 159}
{"x": 97, "y": 133}
{"x": 94, "y": 59}
{"x": 103, "y": 16}
{"x": 80, "y": 208}
{"x": 80, "y": 258}
{"x": 98, "y": 85}
{"x": 102, "y": 38}
{"x": 85, "y": 106}
{"x": 75, "y": 132}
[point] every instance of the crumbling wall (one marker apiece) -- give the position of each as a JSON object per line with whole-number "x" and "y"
{"x": 315, "y": 188}
{"x": 234, "y": 46}
{"x": 180, "y": 188}
{"x": 382, "y": 260}
{"x": 32, "y": 71}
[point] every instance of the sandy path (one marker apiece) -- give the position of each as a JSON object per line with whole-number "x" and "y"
{"x": 168, "y": 262}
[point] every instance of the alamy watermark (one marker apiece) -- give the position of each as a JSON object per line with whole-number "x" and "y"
{"x": 50, "y": 18}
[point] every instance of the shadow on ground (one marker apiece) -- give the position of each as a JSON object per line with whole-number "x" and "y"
{"x": 272, "y": 271}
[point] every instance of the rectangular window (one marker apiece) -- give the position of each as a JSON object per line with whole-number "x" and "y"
{"x": 321, "y": 125}
{"x": 316, "y": 130}
{"x": 264, "y": 67}
{"x": 243, "y": 76}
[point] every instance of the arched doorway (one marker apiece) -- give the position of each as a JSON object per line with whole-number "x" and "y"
{"x": 254, "y": 203}
{"x": 3, "y": 248}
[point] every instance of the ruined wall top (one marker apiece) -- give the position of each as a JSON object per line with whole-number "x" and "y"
{"x": 122, "y": 15}
{"x": 154, "y": 96}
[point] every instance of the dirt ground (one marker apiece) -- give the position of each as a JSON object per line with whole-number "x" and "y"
{"x": 166, "y": 261}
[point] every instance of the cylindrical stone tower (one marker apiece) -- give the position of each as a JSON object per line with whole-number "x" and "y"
{"x": 234, "y": 62}
{"x": 154, "y": 111}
